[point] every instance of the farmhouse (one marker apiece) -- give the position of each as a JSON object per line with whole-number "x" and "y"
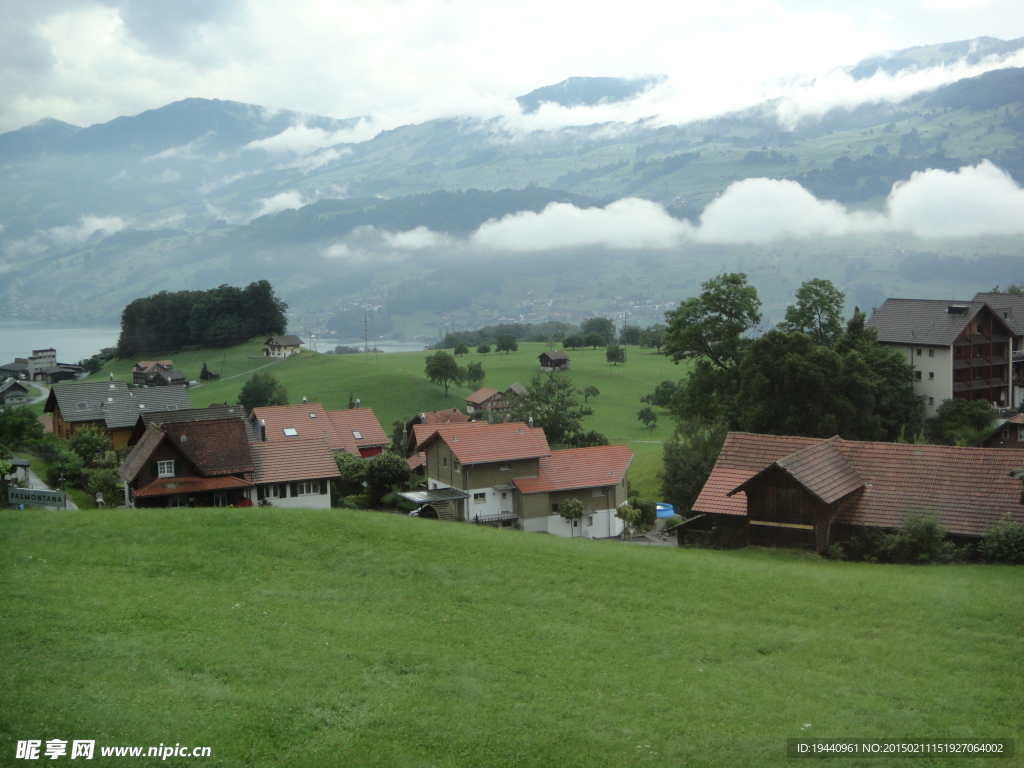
{"x": 282, "y": 346}
{"x": 13, "y": 392}
{"x": 110, "y": 406}
{"x": 811, "y": 493}
{"x": 555, "y": 360}
{"x": 959, "y": 350}
{"x": 505, "y": 474}
{"x": 487, "y": 400}
{"x": 1008, "y": 434}
{"x": 157, "y": 373}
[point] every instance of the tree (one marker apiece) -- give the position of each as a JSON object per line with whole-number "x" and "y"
{"x": 615, "y": 354}
{"x": 553, "y": 402}
{"x": 18, "y": 427}
{"x": 653, "y": 337}
{"x": 960, "y": 422}
{"x": 662, "y": 394}
{"x": 575, "y": 341}
{"x": 262, "y": 390}
{"x": 507, "y": 343}
{"x": 483, "y": 349}
{"x": 475, "y": 374}
{"x": 90, "y": 443}
{"x": 589, "y": 392}
{"x": 442, "y": 369}
{"x": 714, "y": 324}
{"x": 648, "y": 417}
{"x": 599, "y": 325}
{"x": 353, "y": 473}
{"x": 688, "y": 460}
{"x": 631, "y": 334}
{"x": 462, "y": 348}
{"x": 594, "y": 340}
{"x": 383, "y": 472}
{"x": 571, "y": 510}
{"x": 818, "y": 312}
{"x": 204, "y": 372}
{"x": 628, "y": 515}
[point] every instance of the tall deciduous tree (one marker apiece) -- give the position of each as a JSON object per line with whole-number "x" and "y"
{"x": 599, "y": 325}
{"x": 615, "y": 354}
{"x": 262, "y": 390}
{"x": 553, "y": 402}
{"x": 507, "y": 343}
{"x": 688, "y": 460}
{"x": 475, "y": 374}
{"x": 818, "y": 312}
{"x": 442, "y": 369}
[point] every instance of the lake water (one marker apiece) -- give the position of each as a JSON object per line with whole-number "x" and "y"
{"x": 18, "y": 339}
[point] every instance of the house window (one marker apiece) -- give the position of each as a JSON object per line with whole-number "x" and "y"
{"x": 504, "y": 495}
{"x": 479, "y": 498}
{"x": 931, "y": 353}
{"x": 554, "y": 508}
{"x": 1020, "y": 434}
{"x": 917, "y": 375}
{"x": 165, "y": 468}
{"x": 308, "y": 487}
{"x": 597, "y": 492}
{"x": 357, "y": 435}
{"x": 590, "y": 520}
{"x": 506, "y": 466}
{"x": 918, "y": 351}
{"x": 291, "y": 432}
{"x": 444, "y": 461}
{"x": 931, "y": 401}
{"x": 931, "y": 374}
{"x": 456, "y": 467}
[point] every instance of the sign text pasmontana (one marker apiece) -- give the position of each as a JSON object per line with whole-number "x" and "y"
{"x": 35, "y": 496}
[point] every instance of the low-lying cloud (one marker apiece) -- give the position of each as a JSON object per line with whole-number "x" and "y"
{"x": 87, "y": 226}
{"x": 301, "y": 139}
{"x": 282, "y": 201}
{"x": 975, "y": 201}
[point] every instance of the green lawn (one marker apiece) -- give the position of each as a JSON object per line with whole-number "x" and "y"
{"x": 345, "y": 638}
{"x": 395, "y": 387}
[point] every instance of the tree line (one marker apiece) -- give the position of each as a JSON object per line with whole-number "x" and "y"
{"x": 219, "y": 317}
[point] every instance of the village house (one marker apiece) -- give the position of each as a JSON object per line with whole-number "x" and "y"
{"x": 1007, "y": 434}
{"x": 13, "y": 392}
{"x": 957, "y": 349}
{"x": 430, "y": 418}
{"x": 1010, "y": 308}
{"x": 216, "y": 462}
{"x": 487, "y": 401}
{"x": 110, "y": 406}
{"x": 282, "y": 346}
{"x": 778, "y": 491}
{"x": 556, "y": 360}
{"x": 506, "y": 475}
{"x": 157, "y": 373}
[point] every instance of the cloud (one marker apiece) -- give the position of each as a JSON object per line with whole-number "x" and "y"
{"x": 301, "y": 139}
{"x": 627, "y": 223}
{"x": 414, "y": 239}
{"x": 86, "y": 228}
{"x": 970, "y": 202}
{"x": 282, "y": 201}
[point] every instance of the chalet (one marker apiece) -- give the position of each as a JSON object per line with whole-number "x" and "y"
{"x": 505, "y": 474}
{"x": 157, "y": 373}
{"x": 213, "y": 412}
{"x": 215, "y": 463}
{"x": 447, "y": 416}
{"x": 488, "y": 401}
{"x": 1010, "y": 308}
{"x": 1009, "y": 434}
{"x": 956, "y": 349}
{"x": 189, "y": 464}
{"x": 555, "y": 360}
{"x": 353, "y": 430}
{"x": 109, "y": 406}
{"x": 282, "y": 346}
{"x": 13, "y": 392}
{"x": 812, "y": 493}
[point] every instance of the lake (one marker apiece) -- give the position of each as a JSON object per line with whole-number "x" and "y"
{"x": 19, "y": 338}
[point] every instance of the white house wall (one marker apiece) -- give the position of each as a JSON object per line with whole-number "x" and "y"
{"x": 937, "y": 362}
{"x": 599, "y": 524}
{"x": 302, "y": 501}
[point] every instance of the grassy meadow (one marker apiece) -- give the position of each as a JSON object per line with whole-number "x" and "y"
{"x": 395, "y": 387}
{"x": 347, "y": 638}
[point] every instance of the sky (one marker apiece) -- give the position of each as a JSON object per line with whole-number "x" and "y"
{"x": 407, "y": 61}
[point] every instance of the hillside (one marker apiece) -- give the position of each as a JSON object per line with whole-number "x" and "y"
{"x": 350, "y": 638}
{"x": 201, "y": 193}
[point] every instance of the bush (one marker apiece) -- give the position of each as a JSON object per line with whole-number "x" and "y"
{"x": 358, "y": 501}
{"x": 103, "y": 481}
{"x": 648, "y": 509}
{"x": 921, "y": 539}
{"x": 668, "y": 522}
{"x": 1003, "y": 544}
{"x": 67, "y": 464}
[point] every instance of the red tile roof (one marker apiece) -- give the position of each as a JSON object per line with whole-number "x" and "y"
{"x": 969, "y": 488}
{"x": 217, "y": 447}
{"x": 451, "y": 415}
{"x": 484, "y": 443}
{"x": 743, "y": 456}
{"x": 422, "y": 432}
{"x": 284, "y": 462}
{"x": 347, "y": 423}
{"x": 482, "y": 395}
{"x": 574, "y": 468}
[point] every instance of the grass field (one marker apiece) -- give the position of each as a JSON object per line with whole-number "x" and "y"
{"x": 345, "y": 638}
{"x": 395, "y": 387}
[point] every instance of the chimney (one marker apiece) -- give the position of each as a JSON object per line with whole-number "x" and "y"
{"x": 263, "y": 431}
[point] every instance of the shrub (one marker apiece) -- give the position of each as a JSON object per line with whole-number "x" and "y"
{"x": 103, "y": 481}
{"x": 1004, "y": 543}
{"x": 358, "y": 501}
{"x": 921, "y": 539}
{"x": 648, "y": 509}
{"x": 668, "y": 522}
{"x": 67, "y": 464}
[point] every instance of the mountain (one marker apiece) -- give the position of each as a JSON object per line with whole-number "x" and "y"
{"x": 204, "y": 192}
{"x": 588, "y": 91}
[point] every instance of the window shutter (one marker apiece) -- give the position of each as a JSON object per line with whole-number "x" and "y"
{"x": 154, "y": 469}
{"x": 174, "y": 467}
{"x": 323, "y": 487}
{"x": 295, "y": 489}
